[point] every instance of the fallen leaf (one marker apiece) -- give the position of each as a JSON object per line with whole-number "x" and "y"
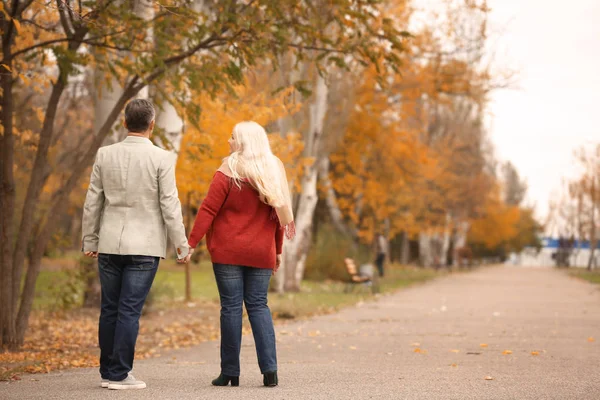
{"x": 488, "y": 378}
{"x": 506, "y": 352}
{"x": 352, "y": 347}
{"x": 535, "y": 353}
{"x": 417, "y": 350}
{"x": 483, "y": 345}
{"x": 455, "y": 351}
{"x": 591, "y": 339}
{"x": 454, "y": 365}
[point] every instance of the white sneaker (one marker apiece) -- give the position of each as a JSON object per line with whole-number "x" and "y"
{"x": 104, "y": 383}
{"x": 128, "y": 383}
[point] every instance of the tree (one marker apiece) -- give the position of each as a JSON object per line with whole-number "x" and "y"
{"x": 186, "y": 51}
{"x": 586, "y": 192}
{"x": 514, "y": 187}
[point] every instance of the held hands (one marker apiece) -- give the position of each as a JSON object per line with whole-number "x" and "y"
{"x": 187, "y": 258}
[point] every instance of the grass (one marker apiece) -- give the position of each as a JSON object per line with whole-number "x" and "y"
{"x": 169, "y": 288}
{"x": 590, "y": 276}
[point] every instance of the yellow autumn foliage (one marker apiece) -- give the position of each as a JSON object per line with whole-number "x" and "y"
{"x": 497, "y": 224}
{"x": 205, "y": 145}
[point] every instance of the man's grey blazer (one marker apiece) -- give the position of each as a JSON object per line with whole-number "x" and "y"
{"x": 132, "y": 201}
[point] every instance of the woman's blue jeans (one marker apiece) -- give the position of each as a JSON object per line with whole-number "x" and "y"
{"x": 237, "y": 285}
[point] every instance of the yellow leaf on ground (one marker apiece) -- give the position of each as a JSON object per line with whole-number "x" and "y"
{"x": 488, "y": 378}
{"x": 535, "y": 353}
{"x": 505, "y": 352}
{"x": 352, "y": 347}
{"x": 591, "y": 339}
{"x": 483, "y": 345}
{"x": 454, "y": 365}
{"x": 417, "y": 350}
{"x": 455, "y": 351}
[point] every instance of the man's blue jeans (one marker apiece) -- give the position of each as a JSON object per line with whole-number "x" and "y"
{"x": 247, "y": 285}
{"x": 125, "y": 281}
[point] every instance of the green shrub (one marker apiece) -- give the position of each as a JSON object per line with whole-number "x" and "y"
{"x": 326, "y": 257}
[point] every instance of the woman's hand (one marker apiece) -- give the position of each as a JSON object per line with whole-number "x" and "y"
{"x": 277, "y": 263}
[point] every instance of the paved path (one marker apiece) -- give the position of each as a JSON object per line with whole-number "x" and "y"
{"x": 368, "y": 352}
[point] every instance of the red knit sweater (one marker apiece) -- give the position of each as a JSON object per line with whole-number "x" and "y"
{"x": 238, "y": 226}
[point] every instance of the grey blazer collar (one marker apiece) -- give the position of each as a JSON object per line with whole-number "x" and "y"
{"x": 137, "y": 139}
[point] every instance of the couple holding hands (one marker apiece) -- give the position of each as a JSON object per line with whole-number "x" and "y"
{"x": 131, "y": 207}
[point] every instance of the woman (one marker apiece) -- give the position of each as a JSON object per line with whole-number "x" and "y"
{"x": 244, "y": 216}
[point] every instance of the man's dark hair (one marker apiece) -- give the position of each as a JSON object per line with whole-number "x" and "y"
{"x": 139, "y": 114}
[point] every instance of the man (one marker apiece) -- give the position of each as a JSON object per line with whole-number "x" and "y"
{"x": 381, "y": 249}
{"x": 131, "y": 205}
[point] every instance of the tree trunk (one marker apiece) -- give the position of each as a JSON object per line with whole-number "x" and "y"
{"x": 297, "y": 249}
{"x": 425, "y": 256}
{"x": 188, "y": 274}
{"x": 331, "y": 201}
{"x": 168, "y": 121}
{"x": 7, "y": 204}
{"x": 405, "y": 249}
{"x": 58, "y": 208}
{"x": 446, "y": 241}
{"x": 593, "y": 243}
{"x": 36, "y": 184}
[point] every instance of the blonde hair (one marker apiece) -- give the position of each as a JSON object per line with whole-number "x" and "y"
{"x": 253, "y": 160}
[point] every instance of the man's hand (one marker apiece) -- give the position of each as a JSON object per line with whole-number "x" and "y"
{"x": 92, "y": 254}
{"x": 187, "y": 258}
{"x": 277, "y": 263}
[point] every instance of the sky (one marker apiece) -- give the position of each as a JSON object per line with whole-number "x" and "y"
{"x": 555, "y": 107}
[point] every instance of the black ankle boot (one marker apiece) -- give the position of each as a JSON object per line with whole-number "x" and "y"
{"x": 223, "y": 380}
{"x": 270, "y": 379}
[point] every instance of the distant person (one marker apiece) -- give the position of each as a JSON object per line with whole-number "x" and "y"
{"x": 130, "y": 206}
{"x": 381, "y": 251}
{"x": 245, "y": 214}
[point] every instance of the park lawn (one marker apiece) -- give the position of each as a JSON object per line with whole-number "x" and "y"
{"x": 62, "y": 335}
{"x": 54, "y": 289}
{"x": 590, "y": 276}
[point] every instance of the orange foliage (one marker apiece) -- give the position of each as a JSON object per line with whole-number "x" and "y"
{"x": 497, "y": 224}
{"x": 205, "y": 145}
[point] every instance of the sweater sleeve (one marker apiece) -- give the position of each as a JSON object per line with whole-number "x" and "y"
{"x": 279, "y": 239}
{"x": 217, "y": 193}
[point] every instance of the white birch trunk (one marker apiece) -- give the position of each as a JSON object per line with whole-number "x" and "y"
{"x": 107, "y": 96}
{"x": 446, "y": 241}
{"x": 425, "y": 249}
{"x": 297, "y": 249}
{"x": 171, "y": 123}
{"x": 167, "y": 118}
